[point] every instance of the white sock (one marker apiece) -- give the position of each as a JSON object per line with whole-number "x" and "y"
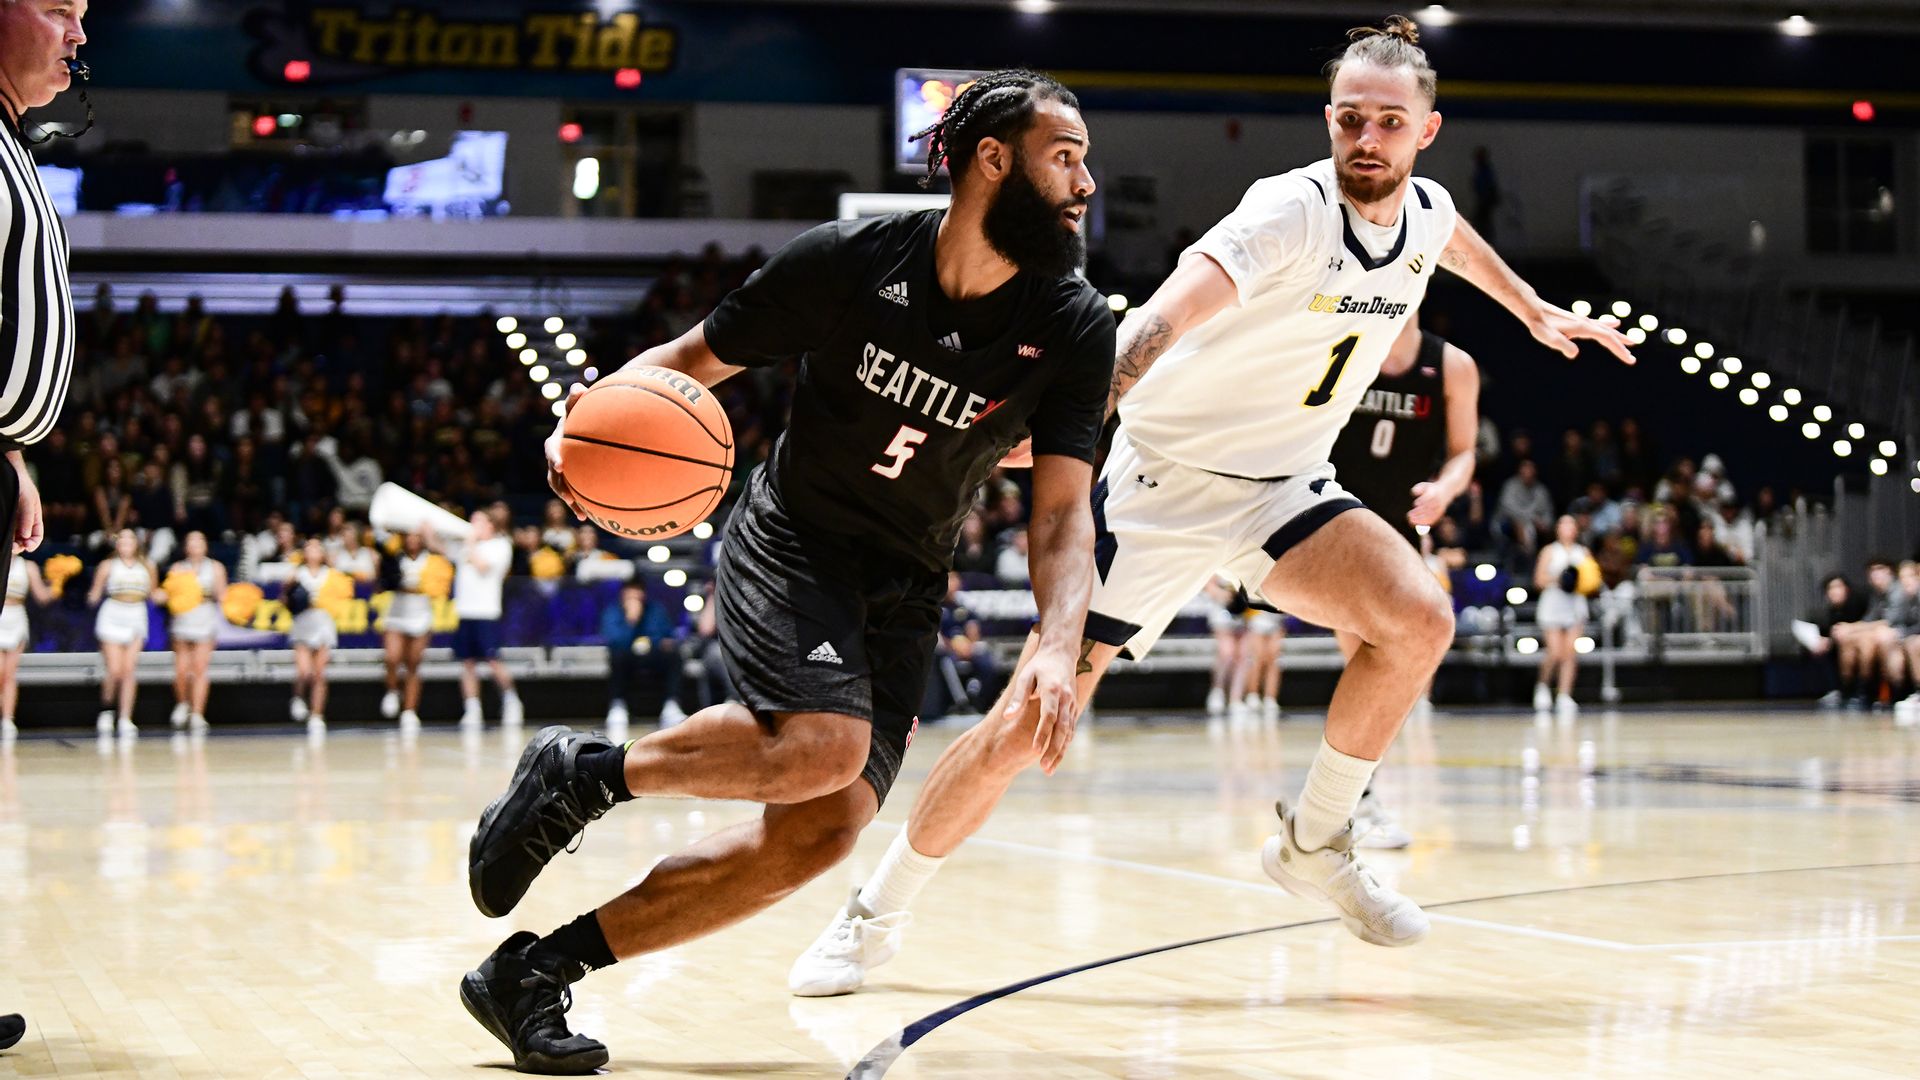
{"x": 509, "y": 695}
{"x": 1333, "y": 790}
{"x": 902, "y": 873}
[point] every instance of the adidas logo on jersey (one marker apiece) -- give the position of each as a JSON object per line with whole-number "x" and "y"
{"x": 952, "y": 341}
{"x": 824, "y": 653}
{"x": 896, "y": 292}
{"x": 1354, "y": 305}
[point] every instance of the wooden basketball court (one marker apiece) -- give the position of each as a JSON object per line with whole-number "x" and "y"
{"x": 1642, "y": 894}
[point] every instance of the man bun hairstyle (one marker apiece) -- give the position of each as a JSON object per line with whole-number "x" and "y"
{"x": 999, "y": 105}
{"x": 1394, "y": 43}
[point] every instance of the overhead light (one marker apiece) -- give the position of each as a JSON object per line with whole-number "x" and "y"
{"x": 1762, "y": 380}
{"x": 559, "y": 407}
{"x": 1888, "y": 448}
{"x": 1810, "y": 429}
{"x": 1649, "y": 323}
{"x": 1691, "y": 366}
{"x": 674, "y": 578}
{"x": 551, "y": 391}
{"x": 1915, "y": 485}
{"x": 516, "y": 341}
{"x": 1636, "y": 335}
{"x": 703, "y": 531}
{"x": 1622, "y": 309}
{"x": 1718, "y": 380}
{"x": 538, "y": 373}
{"x": 586, "y": 178}
{"x": 1822, "y": 413}
{"x": 1857, "y": 430}
{"x": 1516, "y": 596}
{"x": 1778, "y": 412}
{"x": 1526, "y": 646}
{"x": 1117, "y": 302}
{"x": 554, "y": 324}
{"x": 576, "y": 357}
{"x": 1583, "y": 645}
{"x": 1676, "y": 336}
{"x": 1033, "y": 7}
{"x": 565, "y": 341}
{"x": 1796, "y": 26}
{"x": 658, "y": 553}
{"x": 1790, "y": 396}
{"x": 1731, "y": 365}
{"x": 694, "y": 602}
{"x": 1484, "y": 571}
{"x": 1749, "y": 396}
{"x": 1581, "y": 308}
{"x": 590, "y": 374}
{"x": 528, "y": 356}
{"x": 1703, "y": 350}
{"x": 1878, "y": 466}
{"x": 1436, "y": 15}
{"x": 506, "y": 324}
{"x": 1842, "y": 448}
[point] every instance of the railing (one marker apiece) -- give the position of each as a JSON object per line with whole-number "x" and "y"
{"x": 1691, "y": 614}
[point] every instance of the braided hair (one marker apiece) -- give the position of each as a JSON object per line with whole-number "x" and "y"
{"x": 998, "y": 105}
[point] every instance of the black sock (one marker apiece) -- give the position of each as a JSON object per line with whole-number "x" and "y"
{"x": 609, "y": 766}
{"x": 580, "y": 941}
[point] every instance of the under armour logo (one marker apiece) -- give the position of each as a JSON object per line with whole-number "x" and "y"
{"x": 1336, "y": 263}
{"x": 1142, "y": 479}
{"x": 1317, "y": 486}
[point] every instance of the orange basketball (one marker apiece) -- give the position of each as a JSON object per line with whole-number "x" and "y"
{"x": 648, "y": 451}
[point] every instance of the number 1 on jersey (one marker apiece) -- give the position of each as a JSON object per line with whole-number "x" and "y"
{"x": 901, "y": 451}
{"x": 1323, "y": 393}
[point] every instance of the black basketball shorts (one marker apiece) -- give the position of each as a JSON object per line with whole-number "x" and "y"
{"x": 806, "y": 625}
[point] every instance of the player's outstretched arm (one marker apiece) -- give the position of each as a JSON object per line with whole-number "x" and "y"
{"x": 1469, "y": 255}
{"x": 1061, "y": 535}
{"x": 1431, "y": 498}
{"x": 688, "y": 354}
{"x": 1196, "y": 291}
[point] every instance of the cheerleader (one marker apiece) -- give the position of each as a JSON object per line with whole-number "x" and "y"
{"x": 194, "y": 586}
{"x": 353, "y": 558}
{"x": 23, "y": 581}
{"x": 122, "y": 586}
{"x": 1259, "y": 675}
{"x": 1225, "y": 625}
{"x": 409, "y": 625}
{"x": 314, "y": 634}
{"x": 1561, "y": 615}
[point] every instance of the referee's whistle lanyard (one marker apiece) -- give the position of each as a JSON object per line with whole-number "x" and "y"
{"x": 44, "y": 133}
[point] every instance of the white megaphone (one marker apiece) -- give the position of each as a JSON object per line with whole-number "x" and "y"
{"x": 397, "y": 510}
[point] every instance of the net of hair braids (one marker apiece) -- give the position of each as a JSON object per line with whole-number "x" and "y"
{"x": 966, "y": 107}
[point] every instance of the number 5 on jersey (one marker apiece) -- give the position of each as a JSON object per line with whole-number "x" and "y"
{"x": 900, "y": 451}
{"x": 1342, "y": 352}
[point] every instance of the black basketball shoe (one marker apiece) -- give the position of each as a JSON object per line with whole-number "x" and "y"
{"x": 525, "y": 1005}
{"x": 12, "y": 1027}
{"x": 549, "y": 802}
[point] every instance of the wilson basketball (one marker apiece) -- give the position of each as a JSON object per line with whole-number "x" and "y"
{"x": 648, "y": 451}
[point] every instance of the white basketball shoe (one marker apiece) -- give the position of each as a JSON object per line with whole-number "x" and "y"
{"x": 1375, "y": 828}
{"x": 855, "y": 942}
{"x": 178, "y": 718}
{"x": 390, "y": 704}
{"x": 1369, "y": 910}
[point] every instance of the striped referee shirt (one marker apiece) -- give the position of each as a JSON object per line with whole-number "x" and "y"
{"x": 36, "y": 302}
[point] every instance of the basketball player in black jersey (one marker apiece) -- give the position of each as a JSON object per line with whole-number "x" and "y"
{"x": 1407, "y": 453}
{"x": 931, "y": 343}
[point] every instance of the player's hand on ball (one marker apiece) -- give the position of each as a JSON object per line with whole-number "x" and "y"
{"x": 1559, "y": 329}
{"x": 1429, "y": 503}
{"x": 1048, "y": 678}
{"x": 555, "y": 478}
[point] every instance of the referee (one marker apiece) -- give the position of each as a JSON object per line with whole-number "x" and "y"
{"x": 36, "y": 304}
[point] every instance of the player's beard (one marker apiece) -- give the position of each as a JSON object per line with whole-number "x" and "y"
{"x": 1027, "y": 229}
{"x": 1363, "y": 189}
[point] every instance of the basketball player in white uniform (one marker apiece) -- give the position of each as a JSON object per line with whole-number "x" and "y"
{"x": 194, "y": 632}
{"x": 409, "y": 626}
{"x": 1242, "y": 369}
{"x": 122, "y": 586}
{"x": 23, "y": 582}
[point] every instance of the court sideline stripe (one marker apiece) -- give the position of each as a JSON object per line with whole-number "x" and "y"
{"x": 882, "y": 1057}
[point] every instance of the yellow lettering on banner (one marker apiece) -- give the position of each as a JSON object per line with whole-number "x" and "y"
{"x": 615, "y": 41}
{"x": 331, "y": 22}
{"x": 499, "y": 47}
{"x": 546, "y": 31}
{"x": 423, "y": 28}
{"x": 370, "y": 35}
{"x": 397, "y": 49}
{"x": 456, "y": 44}
{"x": 655, "y": 52}
{"x": 583, "y": 28}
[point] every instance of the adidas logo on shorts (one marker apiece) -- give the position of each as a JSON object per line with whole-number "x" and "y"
{"x": 824, "y": 653}
{"x": 896, "y": 292}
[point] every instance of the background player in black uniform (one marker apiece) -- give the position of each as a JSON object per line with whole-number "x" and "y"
{"x": 932, "y": 343}
{"x": 1407, "y": 452}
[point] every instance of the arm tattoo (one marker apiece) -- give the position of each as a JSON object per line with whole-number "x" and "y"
{"x": 1453, "y": 259}
{"x": 1153, "y": 336}
{"x": 1086, "y": 656}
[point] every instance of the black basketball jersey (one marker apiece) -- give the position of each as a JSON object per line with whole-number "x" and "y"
{"x": 894, "y": 429}
{"x": 1397, "y": 436}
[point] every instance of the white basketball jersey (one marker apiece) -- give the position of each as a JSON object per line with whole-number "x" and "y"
{"x": 1262, "y": 389}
